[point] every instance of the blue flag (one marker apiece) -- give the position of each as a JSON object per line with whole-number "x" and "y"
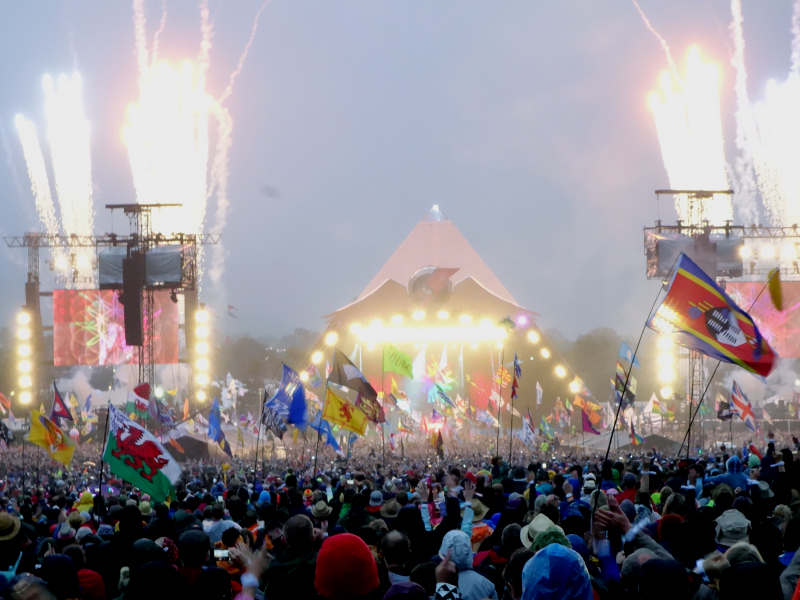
{"x": 290, "y": 399}
{"x": 215, "y": 429}
{"x": 323, "y": 428}
{"x": 626, "y": 353}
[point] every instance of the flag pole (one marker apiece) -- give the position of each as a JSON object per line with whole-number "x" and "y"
{"x": 23, "y": 461}
{"x": 316, "y": 452}
{"x": 103, "y": 451}
{"x": 258, "y": 435}
{"x": 383, "y": 392}
{"x": 500, "y": 395}
{"x": 511, "y": 423}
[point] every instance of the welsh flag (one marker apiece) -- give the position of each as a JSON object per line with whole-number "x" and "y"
{"x": 136, "y": 455}
{"x": 139, "y": 401}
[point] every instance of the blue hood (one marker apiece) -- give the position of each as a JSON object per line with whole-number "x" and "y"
{"x": 556, "y": 573}
{"x": 734, "y": 464}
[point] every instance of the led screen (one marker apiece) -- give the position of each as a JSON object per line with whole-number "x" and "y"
{"x": 88, "y": 329}
{"x": 781, "y": 328}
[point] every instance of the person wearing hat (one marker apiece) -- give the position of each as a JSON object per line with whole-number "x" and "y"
{"x": 732, "y": 527}
{"x": 321, "y": 510}
{"x": 390, "y": 510}
{"x": 345, "y": 569}
{"x": 375, "y": 503}
{"x": 481, "y": 529}
{"x": 471, "y": 584}
{"x": 539, "y": 524}
{"x": 12, "y": 559}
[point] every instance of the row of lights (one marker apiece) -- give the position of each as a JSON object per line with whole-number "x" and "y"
{"x": 201, "y": 364}
{"x": 25, "y": 354}
{"x": 769, "y": 252}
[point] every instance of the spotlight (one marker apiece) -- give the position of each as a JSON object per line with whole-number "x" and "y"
{"x": 24, "y": 333}
{"x": 62, "y": 262}
{"x": 443, "y": 314}
{"x": 24, "y": 350}
{"x": 767, "y": 252}
{"x": 25, "y": 397}
{"x": 665, "y": 360}
{"x": 200, "y": 396}
{"x": 316, "y": 358}
{"x": 418, "y": 315}
{"x": 574, "y": 387}
{"x": 499, "y": 345}
{"x": 201, "y": 316}
{"x": 202, "y": 379}
{"x": 24, "y": 366}
{"x": 23, "y": 318}
{"x": 666, "y": 375}
{"x": 561, "y": 372}
{"x": 486, "y": 323}
{"x": 158, "y": 392}
{"x": 666, "y": 392}
{"x": 376, "y": 324}
{"x": 664, "y": 343}
{"x": 25, "y": 381}
{"x": 533, "y": 337}
{"x": 331, "y": 338}
{"x": 545, "y": 353}
{"x": 202, "y": 348}
{"x": 465, "y": 319}
{"x": 745, "y": 252}
{"x": 202, "y": 364}
{"x": 397, "y": 319}
{"x": 303, "y": 376}
{"x": 201, "y": 331}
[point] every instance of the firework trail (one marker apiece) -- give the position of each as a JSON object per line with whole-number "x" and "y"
{"x": 664, "y": 46}
{"x": 37, "y": 173}
{"x": 743, "y": 171}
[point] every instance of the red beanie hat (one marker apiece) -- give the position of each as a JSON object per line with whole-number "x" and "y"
{"x": 345, "y": 568}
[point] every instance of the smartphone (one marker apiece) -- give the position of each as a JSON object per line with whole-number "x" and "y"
{"x": 221, "y": 554}
{"x": 220, "y": 499}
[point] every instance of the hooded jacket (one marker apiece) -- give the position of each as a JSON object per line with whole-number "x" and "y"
{"x": 471, "y": 585}
{"x": 556, "y": 573}
{"x": 734, "y": 476}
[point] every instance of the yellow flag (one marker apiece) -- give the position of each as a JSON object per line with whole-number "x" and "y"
{"x": 46, "y": 434}
{"x": 340, "y": 412}
{"x": 775, "y": 290}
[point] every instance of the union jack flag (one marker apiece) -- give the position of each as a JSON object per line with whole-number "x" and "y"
{"x": 741, "y": 406}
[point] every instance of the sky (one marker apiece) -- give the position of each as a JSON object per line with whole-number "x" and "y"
{"x": 526, "y": 122}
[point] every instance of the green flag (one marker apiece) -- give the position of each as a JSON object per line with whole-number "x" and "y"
{"x": 395, "y": 361}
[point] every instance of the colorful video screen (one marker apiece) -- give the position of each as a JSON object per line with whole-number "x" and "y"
{"x": 780, "y": 328}
{"x": 89, "y": 329}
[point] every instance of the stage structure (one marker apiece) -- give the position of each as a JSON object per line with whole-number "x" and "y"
{"x": 134, "y": 273}
{"x": 740, "y": 258}
{"x": 436, "y": 300}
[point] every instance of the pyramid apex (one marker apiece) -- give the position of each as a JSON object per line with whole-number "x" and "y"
{"x": 435, "y": 214}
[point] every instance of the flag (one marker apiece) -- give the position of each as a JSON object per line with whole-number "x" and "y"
{"x": 704, "y": 409}
{"x": 289, "y": 401}
{"x": 442, "y": 396}
{"x": 438, "y": 444}
{"x": 657, "y": 410}
{"x": 636, "y": 439}
{"x": 546, "y": 429}
{"x": 775, "y": 290}
{"x": 232, "y": 310}
{"x": 568, "y": 406}
{"x": 87, "y": 406}
{"x": 273, "y": 422}
{"x": 517, "y": 367}
{"x": 340, "y": 412}
{"x": 742, "y": 407}
{"x": 539, "y": 392}
{"x": 626, "y": 353}
{"x": 215, "y": 432}
{"x": 345, "y": 373}
{"x": 59, "y": 409}
{"x": 486, "y": 418}
{"x": 185, "y": 409}
{"x": 698, "y": 315}
{"x": 46, "y": 434}
{"x": 313, "y": 375}
{"x": 395, "y": 361}
{"x": 527, "y": 434}
{"x": 139, "y": 401}
{"x": 239, "y": 437}
{"x": 586, "y": 424}
{"x": 135, "y": 455}
{"x": 323, "y": 429}
{"x": 514, "y": 388}
{"x": 5, "y": 403}
{"x": 766, "y": 416}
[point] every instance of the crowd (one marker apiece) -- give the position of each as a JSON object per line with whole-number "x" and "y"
{"x": 552, "y": 526}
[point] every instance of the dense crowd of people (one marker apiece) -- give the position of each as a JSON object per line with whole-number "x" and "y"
{"x": 556, "y": 525}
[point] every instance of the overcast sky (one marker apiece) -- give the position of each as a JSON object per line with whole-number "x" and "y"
{"x": 527, "y": 122}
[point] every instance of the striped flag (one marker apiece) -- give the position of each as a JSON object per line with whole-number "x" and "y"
{"x": 741, "y": 406}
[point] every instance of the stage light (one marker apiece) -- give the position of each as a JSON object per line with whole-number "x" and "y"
{"x": 788, "y": 252}
{"x": 202, "y": 348}
{"x": 201, "y": 316}
{"x": 201, "y": 331}
{"x": 355, "y": 327}
{"x": 202, "y": 364}
{"x": 664, "y": 343}
{"x": 745, "y": 252}
{"x": 797, "y": 382}
{"x": 443, "y": 314}
{"x": 200, "y": 396}
{"x": 522, "y": 320}
{"x": 767, "y": 252}
{"x": 499, "y": 345}
{"x": 465, "y": 319}
{"x": 25, "y": 381}
{"x": 62, "y": 262}
{"x": 331, "y": 338}
{"x": 158, "y": 392}
{"x": 316, "y": 358}
{"x": 486, "y": 323}
{"x": 25, "y": 397}
{"x": 545, "y": 353}
{"x": 24, "y": 366}
{"x": 83, "y": 262}
{"x": 666, "y": 375}
{"x": 23, "y": 318}
{"x": 418, "y": 315}
{"x": 561, "y": 372}
{"x": 24, "y": 350}
{"x": 574, "y": 387}
{"x": 444, "y": 334}
{"x": 666, "y": 392}
{"x": 665, "y": 360}
{"x": 397, "y": 319}
{"x": 202, "y": 379}
{"x": 303, "y": 376}
{"x": 23, "y": 333}
{"x": 376, "y": 324}
{"x": 533, "y": 337}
